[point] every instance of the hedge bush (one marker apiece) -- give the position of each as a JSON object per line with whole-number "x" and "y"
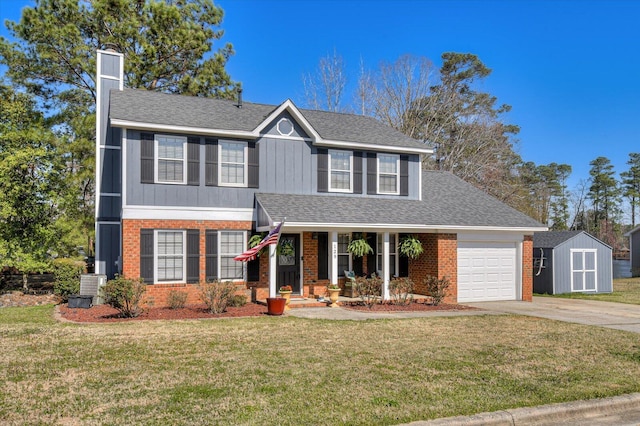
{"x": 67, "y": 277}
{"x": 125, "y": 295}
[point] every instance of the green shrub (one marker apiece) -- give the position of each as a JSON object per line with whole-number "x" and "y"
{"x": 237, "y": 300}
{"x": 369, "y": 289}
{"x": 177, "y": 299}
{"x": 125, "y": 295}
{"x": 216, "y": 295}
{"x": 436, "y": 288}
{"x": 67, "y": 277}
{"x": 401, "y": 291}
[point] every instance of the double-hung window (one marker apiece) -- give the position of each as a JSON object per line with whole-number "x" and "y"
{"x": 340, "y": 171}
{"x": 232, "y": 243}
{"x": 393, "y": 254}
{"x": 170, "y": 256}
{"x": 171, "y": 159}
{"x": 233, "y": 163}
{"x": 344, "y": 257}
{"x": 388, "y": 174}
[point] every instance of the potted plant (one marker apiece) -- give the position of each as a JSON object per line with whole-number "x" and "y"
{"x": 359, "y": 246}
{"x": 275, "y": 305}
{"x": 334, "y": 292}
{"x": 285, "y": 293}
{"x": 411, "y": 247}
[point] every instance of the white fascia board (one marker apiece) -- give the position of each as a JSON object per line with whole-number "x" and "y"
{"x": 633, "y": 231}
{"x": 289, "y": 106}
{"x": 136, "y": 125}
{"x": 368, "y": 146}
{"x": 186, "y": 213}
{"x": 309, "y": 226}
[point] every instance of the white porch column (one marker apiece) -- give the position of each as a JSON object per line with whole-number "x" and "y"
{"x": 334, "y": 257}
{"x": 272, "y": 270}
{"x": 385, "y": 266}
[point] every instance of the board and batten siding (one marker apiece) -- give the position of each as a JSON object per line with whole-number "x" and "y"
{"x": 562, "y": 264}
{"x": 285, "y": 166}
{"x": 635, "y": 253}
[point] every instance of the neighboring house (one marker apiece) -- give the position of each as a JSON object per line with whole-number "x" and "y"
{"x": 571, "y": 261}
{"x": 183, "y": 182}
{"x": 634, "y": 247}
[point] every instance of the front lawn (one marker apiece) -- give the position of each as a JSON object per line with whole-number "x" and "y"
{"x": 625, "y": 290}
{"x": 292, "y": 371}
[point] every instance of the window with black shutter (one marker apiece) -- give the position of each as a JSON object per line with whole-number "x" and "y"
{"x": 323, "y": 170}
{"x": 193, "y": 161}
{"x": 146, "y": 158}
{"x": 404, "y": 175}
{"x": 193, "y": 256}
{"x": 357, "y": 172}
{"x": 372, "y": 173}
{"x": 253, "y": 165}
{"x": 211, "y": 261}
{"x": 211, "y": 162}
{"x": 146, "y": 255}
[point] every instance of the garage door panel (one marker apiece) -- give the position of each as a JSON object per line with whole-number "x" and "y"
{"x": 486, "y": 271}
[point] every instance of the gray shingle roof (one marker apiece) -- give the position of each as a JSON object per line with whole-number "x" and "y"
{"x": 448, "y": 201}
{"x": 216, "y": 114}
{"x": 551, "y": 239}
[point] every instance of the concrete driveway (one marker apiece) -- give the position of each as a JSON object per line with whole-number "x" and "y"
{"x": 620, "y": 316}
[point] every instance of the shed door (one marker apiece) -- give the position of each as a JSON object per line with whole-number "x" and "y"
{"x": 486, "y": 271}
{"x": 584, "y": 270}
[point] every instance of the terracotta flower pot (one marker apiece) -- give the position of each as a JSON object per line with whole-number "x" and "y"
{"x": 333, "y": 297}
{"x": 275, "y": 305}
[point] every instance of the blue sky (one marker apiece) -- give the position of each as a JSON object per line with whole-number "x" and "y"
{"x": 570, "y": 69}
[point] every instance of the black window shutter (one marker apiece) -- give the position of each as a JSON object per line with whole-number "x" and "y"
{"x": 357, "y": 172}
{"x": 323, "y": 255}
{"x": 404, "y": 266}
{"x": 254, "y": 167}
{"x": 323, "y": 170}
{"x": 253, "y": 270}
{"x": 372, "y": 240}
{"x": 404, "y": 175}
{"x": 372, "y": 173}
{"x": 211, "y": 247}
{"x": 146, "y": 255}
{"x": 193, "y": 256}
{"x": 193, "y": 161}
{"x": 211, "y": 162}
{"x": 146, "y": 158}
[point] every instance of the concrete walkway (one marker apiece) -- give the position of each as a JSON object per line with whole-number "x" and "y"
{"x": 619, "y": 316}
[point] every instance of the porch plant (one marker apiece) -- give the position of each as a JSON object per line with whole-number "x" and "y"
{"x": 334, "y": 292}
{"x": 285, "y": 292}
{"x": 359, "y": 246}
{"x": 411, "y": 247}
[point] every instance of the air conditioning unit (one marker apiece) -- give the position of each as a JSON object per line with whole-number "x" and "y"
{"x": 90, "y": 285}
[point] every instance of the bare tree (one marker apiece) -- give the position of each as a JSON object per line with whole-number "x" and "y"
{"x": 324, "y": 89}
{"x": 365, "y": 92}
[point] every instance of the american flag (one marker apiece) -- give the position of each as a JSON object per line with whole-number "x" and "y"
{"x": 271, "y": 238}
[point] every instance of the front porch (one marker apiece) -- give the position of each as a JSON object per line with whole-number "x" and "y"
{"x": 307, "y": 302}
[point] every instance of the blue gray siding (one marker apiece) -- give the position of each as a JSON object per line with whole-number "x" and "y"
{"x": 286, "y": 166}
{"x": 635, "y": 253}
{"x": 560, "y": 265}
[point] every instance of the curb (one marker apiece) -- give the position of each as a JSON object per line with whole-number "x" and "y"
{"x": 551, "y": 413}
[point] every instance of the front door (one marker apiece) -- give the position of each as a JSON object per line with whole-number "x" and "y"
{"x": 288, "y": 255}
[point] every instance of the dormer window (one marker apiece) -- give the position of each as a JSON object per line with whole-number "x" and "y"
{"x": 340, "y": 171}
{"x": 388, "y": 174}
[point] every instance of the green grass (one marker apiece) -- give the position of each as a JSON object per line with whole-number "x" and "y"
{"x": 625, "y": 290}
{"x": 292, "y": 371}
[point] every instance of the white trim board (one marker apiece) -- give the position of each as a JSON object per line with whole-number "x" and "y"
{"x": 186, "y": 213}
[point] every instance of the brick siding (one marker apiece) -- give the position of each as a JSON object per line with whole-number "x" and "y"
{"x": 439, "y": 259}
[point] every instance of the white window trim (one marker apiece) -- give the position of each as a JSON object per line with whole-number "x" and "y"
{"x": 219, "y": 255}
{"x": 155, "y": 256}
{"x": 156, "y": 159}
{"x": 584, "y": 270}
{"x": 331, "y": 189}
{"x": 396, "y": 174}
{"x": 246, "y": 164}
{"x": 344, "y": 253}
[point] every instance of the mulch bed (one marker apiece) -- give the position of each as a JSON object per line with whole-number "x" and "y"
{"x": 105, "y": 313}
{"x": 411, "y": 307}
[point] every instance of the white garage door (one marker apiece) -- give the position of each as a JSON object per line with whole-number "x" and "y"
{"x": 486, "y": 271}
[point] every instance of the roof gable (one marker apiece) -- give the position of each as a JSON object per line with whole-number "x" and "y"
{"x": 553, "y": 239}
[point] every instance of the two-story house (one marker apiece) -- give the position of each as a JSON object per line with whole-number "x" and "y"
{"x": 183, "y": 182}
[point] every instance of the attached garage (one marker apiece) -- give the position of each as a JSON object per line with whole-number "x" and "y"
{"x": 487, "y": 271}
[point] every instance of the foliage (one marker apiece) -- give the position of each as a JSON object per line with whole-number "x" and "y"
{"x": 411, "y": 247}
{"x": 125, "y": 295}
{"x": 436, "y": 288}
{"x": 30, "y": 182}
{"x": 631, "y": 184}
{"x": 333, "y": 287}
{"x": 67, "y": 277}
{"x": 605, "y": 195}
{"x": 237, "y": 300}
{"x": 168, "y": 48}
{"x": 216, "y": 295}
{"x": 401, "y": 290}
{"x": 369, "y": 289}
{"x": 286, "y": 288}
{"x": 177, "y": 299}
{"x": 359, "y": 247}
